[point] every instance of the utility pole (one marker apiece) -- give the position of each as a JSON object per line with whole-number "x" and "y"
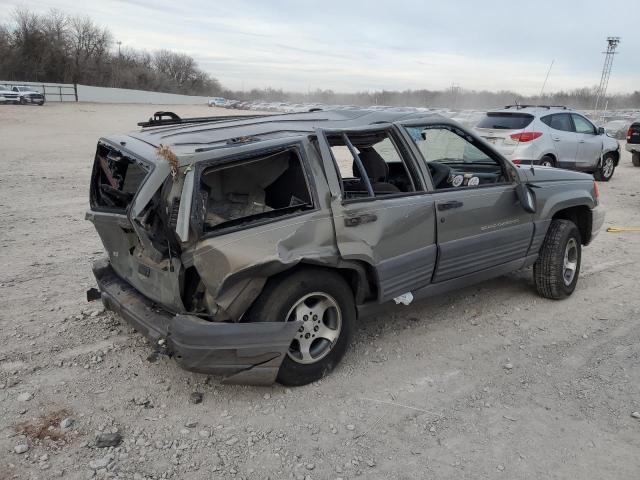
{"x": 612, "y": 44}
{"x": 116, "y": 80}
{"x": 455, "y": 90}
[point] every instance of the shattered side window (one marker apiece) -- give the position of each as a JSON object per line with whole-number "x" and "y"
{"x": 116, "y": 179}
{"x": 262, "y": 188}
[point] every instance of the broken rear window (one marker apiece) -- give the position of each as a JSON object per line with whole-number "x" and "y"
{"x": 116, "y": 179}
{"x": 259, "y": 189}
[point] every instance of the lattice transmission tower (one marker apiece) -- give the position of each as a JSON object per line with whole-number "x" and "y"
{"x": 601, "y": 94}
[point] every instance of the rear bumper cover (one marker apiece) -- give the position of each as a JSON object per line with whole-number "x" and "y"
{"x": 245, "y": 353}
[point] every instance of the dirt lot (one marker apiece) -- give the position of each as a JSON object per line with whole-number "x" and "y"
{"x": 488, "y": 382}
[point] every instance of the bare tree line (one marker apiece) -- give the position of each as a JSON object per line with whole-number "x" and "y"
{"x": 56, "y": 47}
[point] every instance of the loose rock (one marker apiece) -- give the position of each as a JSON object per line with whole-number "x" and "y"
{"x": 196, "y": 397}
{"x": 25, "y": 397}
{"x": 66, "y": 423}
{"x": 104, "y": 440}
{"x": 99, "y": 463}
{"x": 22, "y": 448}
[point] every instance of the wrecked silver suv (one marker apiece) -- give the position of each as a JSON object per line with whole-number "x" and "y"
{"x": 249, "y": 246}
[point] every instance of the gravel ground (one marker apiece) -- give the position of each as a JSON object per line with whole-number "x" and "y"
{"x": 488, "y": 382}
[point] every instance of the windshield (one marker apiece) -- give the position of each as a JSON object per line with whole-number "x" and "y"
{"x": 505, "y": 120}
{"x": 446, "y": 145}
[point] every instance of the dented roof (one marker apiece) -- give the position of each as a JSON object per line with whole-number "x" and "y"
{"x": 202, "y": 134}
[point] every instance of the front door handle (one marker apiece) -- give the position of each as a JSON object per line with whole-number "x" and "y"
{"x": 360, "y": 219}
{"x": 450, "y": 205}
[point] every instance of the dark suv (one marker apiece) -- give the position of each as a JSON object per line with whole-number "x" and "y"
{"x": 249, "y": 246}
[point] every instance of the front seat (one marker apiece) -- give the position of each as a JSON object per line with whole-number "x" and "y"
{"x": 377, "y": 171}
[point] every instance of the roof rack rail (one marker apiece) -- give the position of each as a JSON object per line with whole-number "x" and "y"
{"x": 170, "y": 118}
{"x": 548, "y": 107}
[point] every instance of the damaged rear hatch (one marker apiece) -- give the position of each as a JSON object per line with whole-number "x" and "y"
{"x": 133, "y": 219}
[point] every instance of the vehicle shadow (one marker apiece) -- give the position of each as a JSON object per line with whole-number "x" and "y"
{"x": 438, "y": 308}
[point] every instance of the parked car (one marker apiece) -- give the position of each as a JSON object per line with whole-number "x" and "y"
{"x": 217, "y": 102}
{"x": 8, "y": 96}
{"x": 249, "y": 247}
{"x": 28, "y": 95}
{"x": 633, "y": 142}
{"x": 551, "y": 136}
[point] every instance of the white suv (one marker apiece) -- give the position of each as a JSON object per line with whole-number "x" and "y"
{"x": 552, "y": 136}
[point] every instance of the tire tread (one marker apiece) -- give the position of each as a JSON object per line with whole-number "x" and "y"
{"x": 548, "y": 283}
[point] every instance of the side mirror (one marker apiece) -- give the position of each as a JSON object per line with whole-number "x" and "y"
{"x": 526, "y": 197}
{"x": 601, "y": 131}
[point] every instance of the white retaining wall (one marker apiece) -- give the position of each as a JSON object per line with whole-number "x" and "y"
{"x": 123, "y": 95}
{"x": 110, "y": 95}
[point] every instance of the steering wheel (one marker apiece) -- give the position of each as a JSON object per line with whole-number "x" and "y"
{"x": 439, "y": 173}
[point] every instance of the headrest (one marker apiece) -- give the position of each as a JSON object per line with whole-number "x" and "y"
{"x": 377, "y": 169}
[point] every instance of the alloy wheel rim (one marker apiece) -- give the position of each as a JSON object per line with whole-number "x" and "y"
{"x": 607, "y": 169}
{"x": 570, "y": 263}
{"x": 321, "y": 326}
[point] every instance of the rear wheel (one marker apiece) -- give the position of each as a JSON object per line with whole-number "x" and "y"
{"x": 635, "y": 159}
{"x": 324, "y": 302}
{"x": 557, "y": 269}
{"x": 547, "y": 161}
{"x": 605, "y": 169}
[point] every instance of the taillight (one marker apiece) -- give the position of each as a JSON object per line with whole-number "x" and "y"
{"x": 629, "y": 132}
{"x": 525, "y": 136}
{"x": 596, "y": 191}
{"x": 517, "y": 162}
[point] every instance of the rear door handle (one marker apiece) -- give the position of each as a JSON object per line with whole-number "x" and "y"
{"x": 556, "y": 139}
{"x": 449, "y": 205}
{"x": 360, "y": 219}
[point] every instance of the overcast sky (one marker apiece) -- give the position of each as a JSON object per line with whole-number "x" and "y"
{"x": 365, "y": 45}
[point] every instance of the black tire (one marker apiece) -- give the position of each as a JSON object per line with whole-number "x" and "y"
{"x": 549, "y": 269}
{"x": 635, "y": 159}
{"x": 547, "y": 161}
{"x": 606, "y": 168}
{"x": 22, "y": 101}
{"x": 282, "y": 293}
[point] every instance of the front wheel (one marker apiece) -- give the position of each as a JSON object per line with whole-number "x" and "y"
{"x": 635, "y": 159}
{"x": 323, "y": 301}
{"x": 557, "y": 269}
{"x": 605, "y": 169}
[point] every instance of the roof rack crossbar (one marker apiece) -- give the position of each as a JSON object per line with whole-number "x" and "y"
{"x": 548, "y": 107}
{"x": 170, "y": 118}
